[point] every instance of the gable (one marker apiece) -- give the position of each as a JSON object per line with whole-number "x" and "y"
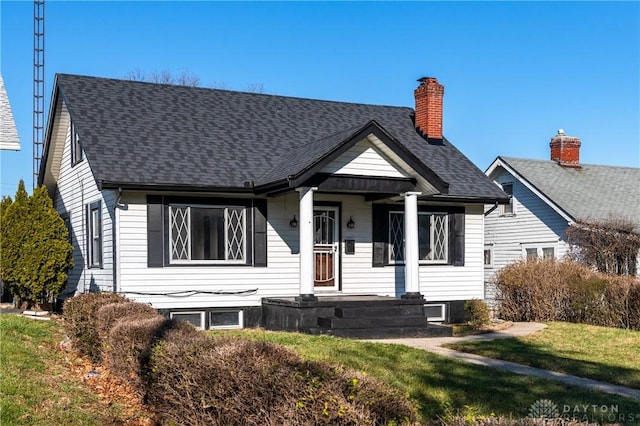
{"x": 55, "y": 139}
{"x": 363, "y": 159}
{"x": 8, "y": 132}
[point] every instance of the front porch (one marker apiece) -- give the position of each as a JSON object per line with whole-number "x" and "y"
{"x": 357, "y": 316}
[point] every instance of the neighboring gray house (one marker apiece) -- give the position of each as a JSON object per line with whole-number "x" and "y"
{"x": 8, "y": 132}
{"x": 207, "y": 204}
{"x": 547, "y": 197}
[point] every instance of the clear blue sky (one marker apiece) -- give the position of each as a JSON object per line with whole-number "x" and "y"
{"x": 514, "y": 73}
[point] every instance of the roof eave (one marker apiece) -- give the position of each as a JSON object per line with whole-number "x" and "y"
{"x": 133, "y": 186}
{"x": 464, "y": 199}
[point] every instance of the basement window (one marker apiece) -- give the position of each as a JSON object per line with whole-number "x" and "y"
{"x": 435, "y": 312}
{"x": 224, "y": 319}
{"x": 194, "y": 318}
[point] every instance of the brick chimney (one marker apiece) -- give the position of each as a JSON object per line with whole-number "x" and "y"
{"x": 565, "y": 150}
{"x": 429, "y": 96}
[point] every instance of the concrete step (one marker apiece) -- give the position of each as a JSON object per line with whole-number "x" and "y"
{"x": 372, "y": 322}
{"x": 431, "y": 330}
{"x": 379, "y": 311}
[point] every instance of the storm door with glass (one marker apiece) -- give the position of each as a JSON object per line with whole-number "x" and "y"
{"x": 326, "y": 248}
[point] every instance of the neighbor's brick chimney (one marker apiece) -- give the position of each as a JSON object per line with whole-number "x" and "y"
{"x": 565, "y": 150}
{"x": 429, "y": 107}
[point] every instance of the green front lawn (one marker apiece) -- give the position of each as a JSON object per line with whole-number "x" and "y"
{"x": 601, "y": 353}
{"x": 36, "y": 385}
{"x": 441, "y": 386}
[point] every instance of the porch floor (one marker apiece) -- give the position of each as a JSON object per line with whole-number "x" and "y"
{"x": 356, "y": 316}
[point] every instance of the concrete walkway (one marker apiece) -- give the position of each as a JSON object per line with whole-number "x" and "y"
{"x": 434, "y": 345}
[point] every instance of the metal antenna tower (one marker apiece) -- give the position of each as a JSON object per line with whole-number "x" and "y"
{"x": 38, "y": 86}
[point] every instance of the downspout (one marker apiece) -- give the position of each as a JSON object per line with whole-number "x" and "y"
{"x": 116, "y": 241}
{"x": 488, "y": 212}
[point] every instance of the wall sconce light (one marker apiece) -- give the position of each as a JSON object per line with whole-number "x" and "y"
{"x": 351, "y": 224}
{"x": 294, "y": 222}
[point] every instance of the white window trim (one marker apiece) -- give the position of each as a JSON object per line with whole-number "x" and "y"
{"x": 95, "y": 260}
{"x": 227, "y": 327}
{"x": 512, "y": 201}
{"x": 539, "y": 247}
{"x": 443, "y": 311}
{"x": 444, "y": 261}
{"x": 189, "y": 261}
{"x": 172, "y": 314}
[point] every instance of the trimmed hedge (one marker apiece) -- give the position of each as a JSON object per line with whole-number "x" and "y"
{"x": 188, "y": 377}
{"x": 107, "y": 316}
{"x": 81, "y": 323}
{"x": 130, "y": 342}
{"x": 548, "y": 290}
{"x": 222, "y": 381}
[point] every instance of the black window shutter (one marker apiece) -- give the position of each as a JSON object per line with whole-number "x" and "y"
{"x": 98, "y": 205}
{"x": 260, "y": 233}
{"x": 456, "y": 240}
{"x": 380, "y": 227}
{"x": 88, "y": 233}
{"x": 155, "y": 232}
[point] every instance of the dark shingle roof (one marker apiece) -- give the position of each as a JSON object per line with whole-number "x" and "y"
{"x": 164, "y": 135}
{"x": 590, "y": 192}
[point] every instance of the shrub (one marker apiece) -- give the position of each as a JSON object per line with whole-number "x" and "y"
{"x": 107, "y": 316}
{"x": 477, "y": 313}
{"x": 80, "y": 321}
{"x": 36, "y": 252}
{"x": 222, "y": 381}
{"x": 546, "y": 290}
{"x": 130, "y": 342}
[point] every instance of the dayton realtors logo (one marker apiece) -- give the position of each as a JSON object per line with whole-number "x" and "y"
{"x": 544, "y": 409}
{"x": 547, "y": 409}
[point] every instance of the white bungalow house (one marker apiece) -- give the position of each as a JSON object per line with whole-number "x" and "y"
{"x": 234, "y": 209}
{"x": 547, "y": 196}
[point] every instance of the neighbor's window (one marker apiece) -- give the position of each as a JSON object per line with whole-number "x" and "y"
{"x": 433, "y": 237}
{"x": 548, "y": 253}
{"x": 94, "y": 240}
{"x": 507, "y": 209}
{"x": 488, "y": 257}
{"x": 539, "y": 251}
{"x": 207, "y": 233}
{"x": 76, "y": 148}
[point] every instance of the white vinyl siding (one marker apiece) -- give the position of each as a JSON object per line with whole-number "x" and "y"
{"x": 364, "y": 160}
{"x": 536, "y": 225}
{"x": 281, "y": 277}
{"x": 76, "y": 189}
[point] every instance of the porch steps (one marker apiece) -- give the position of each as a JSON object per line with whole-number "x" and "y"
{"x": 372, "y": 321}
{"x": 377, "y": 321}
{"x": 353, "y": 316}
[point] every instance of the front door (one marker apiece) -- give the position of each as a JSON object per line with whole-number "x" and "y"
{"x": 326, "y": 247}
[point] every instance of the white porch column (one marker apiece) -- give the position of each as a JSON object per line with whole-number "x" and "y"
{"x": 411, "y": 253}
{"x": 305, "y": 231}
